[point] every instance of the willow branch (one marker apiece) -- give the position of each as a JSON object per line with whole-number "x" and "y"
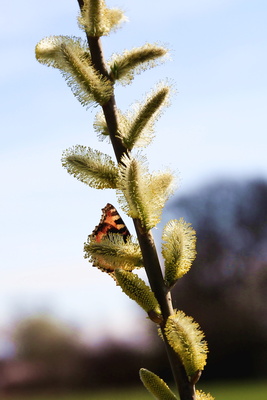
{"x": 146, "y": 241}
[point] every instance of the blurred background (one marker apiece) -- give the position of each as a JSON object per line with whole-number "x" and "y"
{"x": 64, "y": 324}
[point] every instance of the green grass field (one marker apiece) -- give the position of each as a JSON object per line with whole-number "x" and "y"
{"x": 221, "y": 391}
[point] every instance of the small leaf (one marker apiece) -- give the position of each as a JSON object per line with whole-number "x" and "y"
{"x": 156, "y": 386}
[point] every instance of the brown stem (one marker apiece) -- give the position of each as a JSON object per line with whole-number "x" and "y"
{"x": 154, "y": 274}
{"x": 146, "y": 241}
{"x": 153, "y": 269}
{"x": 109, "y": 108}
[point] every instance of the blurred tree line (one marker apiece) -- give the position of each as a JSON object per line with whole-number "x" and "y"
{"x": 51, "y": 356}
{"x": 225, "y": 291}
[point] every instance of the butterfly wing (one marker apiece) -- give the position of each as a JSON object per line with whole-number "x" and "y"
{"x": 110, "y": 222}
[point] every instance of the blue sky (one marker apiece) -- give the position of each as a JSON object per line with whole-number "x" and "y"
{"x": 216, "y": 127}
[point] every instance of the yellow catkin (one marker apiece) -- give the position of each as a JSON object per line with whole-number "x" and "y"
{"x": 156, "y": 386}
{"x": 137, "y": 290}
{"x": 179, "y": 249}
{"x": 187, "y": 340}
{"x": 203, "y": 396}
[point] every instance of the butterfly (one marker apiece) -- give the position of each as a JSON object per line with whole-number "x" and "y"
{"x": 110, "y": 222}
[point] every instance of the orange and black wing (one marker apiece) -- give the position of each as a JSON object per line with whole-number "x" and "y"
{"x": 111, "y": 222}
